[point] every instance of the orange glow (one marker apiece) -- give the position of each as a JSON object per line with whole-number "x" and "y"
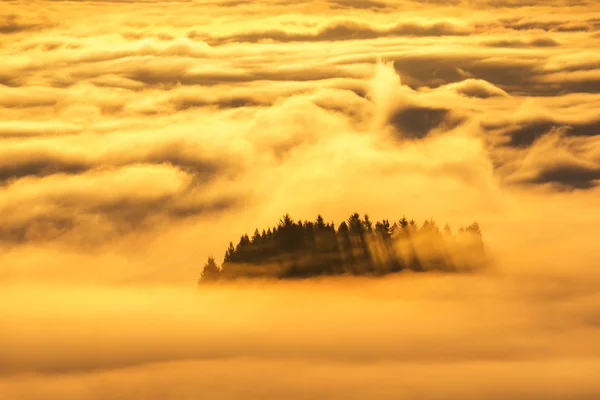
{"x": 138, "y": 137}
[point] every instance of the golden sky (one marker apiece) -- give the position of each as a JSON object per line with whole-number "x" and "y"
{"x": 139, "y": 136}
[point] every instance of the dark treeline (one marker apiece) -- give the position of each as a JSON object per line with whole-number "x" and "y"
{"x": 296, "y": 249}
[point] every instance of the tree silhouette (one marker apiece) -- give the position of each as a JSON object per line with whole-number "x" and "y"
{"x": 297, "y": 249}
{"x": 403, "y": 223}
{"x": 320, "y": 224}
{"x": 229, "y": 252}
{"x": 368, "y": 225}
{"x": 384, "y": 230}
{"x": 256, "y": 237}
{"x": 211, "y": 271}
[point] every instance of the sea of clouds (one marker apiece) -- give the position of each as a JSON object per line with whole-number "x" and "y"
{"x": 139, "y": 137}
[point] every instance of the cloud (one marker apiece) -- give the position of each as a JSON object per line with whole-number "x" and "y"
{"x": 476, "y": 88}
{"x": 17, "y": 129}
{"x": 526, "y": 132}
{"x": 557, "y": 160}
{"x": 555, "y": 26}
{"x": 256, "y": 120}
{"x": 342, "y": 29}
{"x": 42, "y": 165}
{"x": 198, "y": 340}
{"x": 517, "y": 43}
{"x": 578, "y": 61}
{"x": 572, "y": 176}
{"x": 184, "y": 73}
{"x": 138, "y": 138}
{"x": 362, "y": 4}
{"x": 417, "y": 122}
{"x": 319, "y": 379}
{"x": 437, "y": 68}
{"x": 11, "y": 24}
{"x": 30, "y": 97}
{"x": 39, "y": 159}
{"x": 411, "y": 114}
{"x": 60, "y": 179}
{"x": 79, "y": 208}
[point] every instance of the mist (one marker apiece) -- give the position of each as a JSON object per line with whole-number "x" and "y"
{"x": 414, "y": 335}
{"x": 526, "y": 328}
{"x": 138, "y": 138}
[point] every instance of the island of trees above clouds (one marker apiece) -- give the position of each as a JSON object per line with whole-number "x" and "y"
{"x": 297, "y": 249}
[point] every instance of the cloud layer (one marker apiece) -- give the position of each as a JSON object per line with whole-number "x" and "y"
{"x": 136, "y": 142}
{"x": 422, "y": 337}
{"x": 163, "y": 113}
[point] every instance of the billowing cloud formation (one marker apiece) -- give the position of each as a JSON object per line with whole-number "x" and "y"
{"x": 343, "y": 29}
{"x": 243, "y": 112}
{"x": 135, "y": 143}
{"x": 232, "y": 114}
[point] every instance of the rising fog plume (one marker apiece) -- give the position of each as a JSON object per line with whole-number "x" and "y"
{"x": 140, "y": 137}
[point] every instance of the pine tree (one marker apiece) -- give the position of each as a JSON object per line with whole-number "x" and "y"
{"x": 256, "y": 237}
{"x": 229, "y": 253}
{"x": 403, "y": 223}
{"x": 307, "y": 249}
{"x": 383, "y": 230}
{"x": 368, "y": 225}
{"x": 320, "y": 222}
{"x": 210, "y": 272}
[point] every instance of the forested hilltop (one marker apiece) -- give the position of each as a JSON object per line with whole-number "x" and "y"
{"x": 296, "y": 249}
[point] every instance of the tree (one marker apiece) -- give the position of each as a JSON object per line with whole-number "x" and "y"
{"x": 343, "y": 235}
{"x": 256, "y": 237}
{"x": 403, "y": 223}
{"x": 383, "y": 230}
{"x": 210, "y": 272}
{"x": 395, "y": 229}
{"x": 361, "y": 253}
{"x": 447, "y": 230}
{"x": 309, "y": 235}
{"x": 286, "y": 221}
{"x": 368, "y": 225}
{"x": 320, "y": 222}
{"x": 355, "y": 225}
{"x": 244, "y": 241}
{"x": 412, "y": 226}
{"x": 474, "y": 228}
{"x": 290, "y": 235}
{"x": 229, "y": 253}
{"x": 426, "y": 227}
{"x": 305, "y": 249}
